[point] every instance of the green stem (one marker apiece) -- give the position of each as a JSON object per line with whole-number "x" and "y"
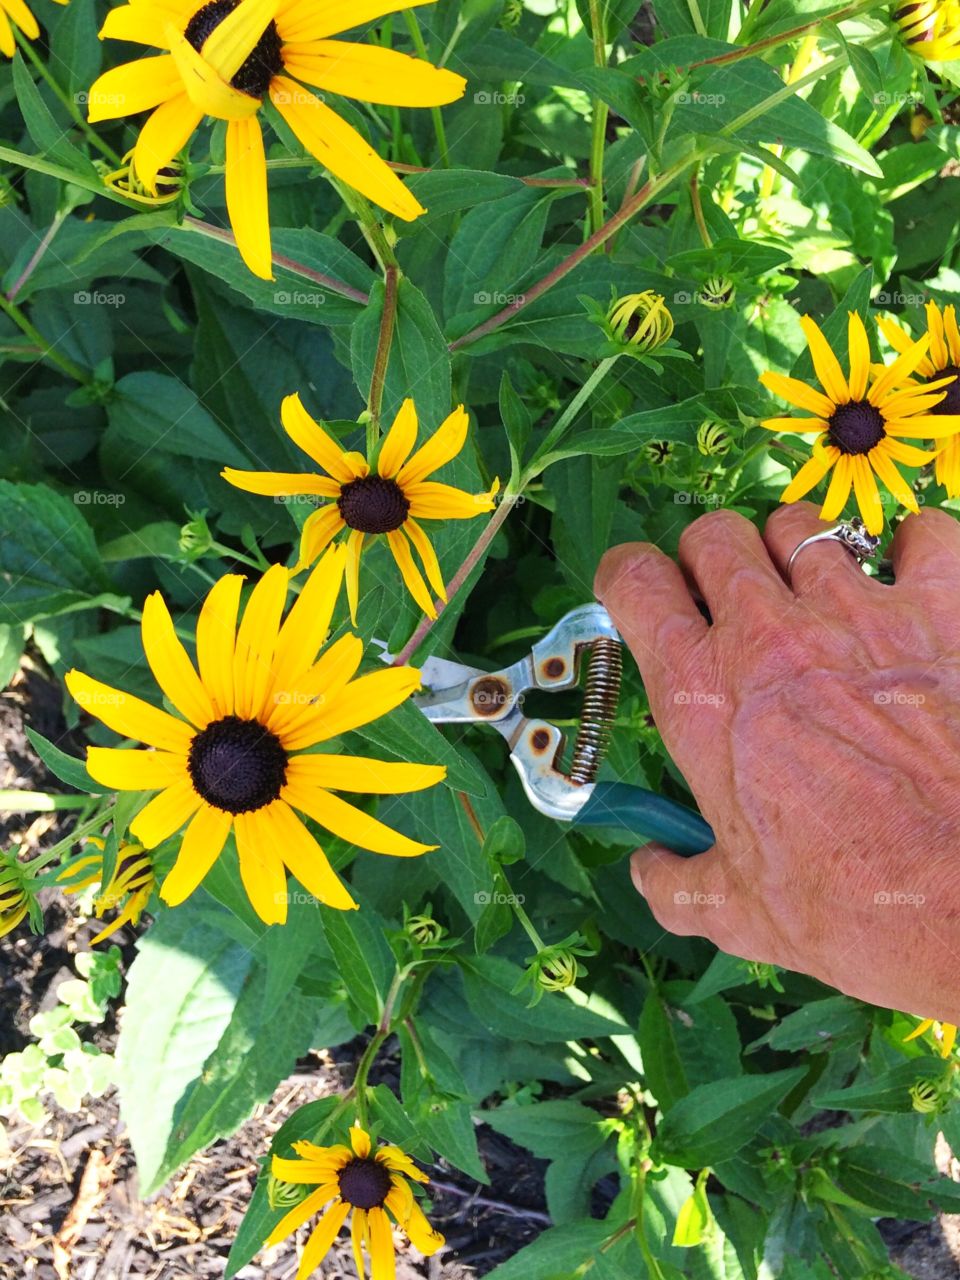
{"x": 359, "y": 1086}
{"x": 600, "y": 114}
{"x": 419, "y": 44}
{"x": 39, "y": 802}
{"x": 26, "y": 47}
{"x": 96, "y": 823}
{"x": 697, "y": 204}
{"x": 370, "y": 226}
{"x": 64, "y": 363}
{"x": 382, "y": 358}
{"x": 785, "y": 37}
{"x": 567, "y": 417}
{"x": 523, "y": 918}
{"x": 697, "y": 18}
{"x": 648, "y": 192}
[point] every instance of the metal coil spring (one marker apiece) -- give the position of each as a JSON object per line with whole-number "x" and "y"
{"x": 601, "y": 693}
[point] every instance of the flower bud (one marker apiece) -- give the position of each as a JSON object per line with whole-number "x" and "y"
{"x": 195, "y": 536}
{"x": 426, "y": 931}
{"x": 16, "y": 895}
{"x": 640, "y": 321}
{"x": 125, "y": 182}
{"x": 716, "y": 293}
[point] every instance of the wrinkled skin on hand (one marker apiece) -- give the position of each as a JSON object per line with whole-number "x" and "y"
{"x": 818, "y": 726}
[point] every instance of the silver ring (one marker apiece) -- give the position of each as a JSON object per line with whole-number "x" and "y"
{"x": 852, "y": 536}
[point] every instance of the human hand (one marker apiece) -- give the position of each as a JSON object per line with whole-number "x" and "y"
{"x": 818, "y": 726}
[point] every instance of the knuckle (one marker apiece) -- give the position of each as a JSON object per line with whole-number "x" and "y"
{"x": 720, "y": 525}
{"x": 623, "y": 566}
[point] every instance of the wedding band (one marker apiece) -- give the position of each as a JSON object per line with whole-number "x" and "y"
{"x": 852, "y": 536}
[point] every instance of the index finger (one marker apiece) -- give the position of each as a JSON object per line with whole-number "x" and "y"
{"x": 648, "y": 599}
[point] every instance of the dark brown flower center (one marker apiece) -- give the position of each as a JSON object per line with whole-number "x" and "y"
{"x": 237, "y": 765}
{"x": 262, "y": 63}
{"x": 364, "y": 1183}
{"x": 951, "y": 400}
{"x": 373, "y": 504}
{"x": 856, "y": 427}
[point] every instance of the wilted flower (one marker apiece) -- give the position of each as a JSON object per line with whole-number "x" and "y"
{"x": 945, "y": 1032}
{"x": 640, "y": 320}
{"x": 17, "y": 900}
{"x": 129, "y": 888}
{"x": 717, "y": 293}
{"x": 424, "y": 930}
{"x": 125, "y": 182}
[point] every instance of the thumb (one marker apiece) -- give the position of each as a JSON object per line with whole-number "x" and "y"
{"x": 687, "y": 895}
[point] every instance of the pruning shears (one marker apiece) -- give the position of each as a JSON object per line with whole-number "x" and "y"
{"x": 583, "y": 641}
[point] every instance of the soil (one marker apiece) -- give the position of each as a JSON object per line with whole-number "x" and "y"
{"x": 69, "y": 1206}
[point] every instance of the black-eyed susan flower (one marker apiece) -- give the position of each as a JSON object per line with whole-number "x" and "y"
{"x": 236, "y": 755}
{"x": 390, "y": 500}
{"x": 861, "y": 422}
{"x": 128, "y": 891}
{"x": 223, "y": 58}
{"x": 373, "y": 1184}
{"x": 931, "y": 29}
{"x": 942, "y": 360}
{"x": 945, "y": 1033}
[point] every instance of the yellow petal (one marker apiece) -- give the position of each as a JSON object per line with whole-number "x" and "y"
{"x": 445, "y": 444}
{"x": 908, "y": 454}
{"x": 308, "y": 435}
{"x": 246, "y": 187}
{"x": 307, "y": 861}
{"x": 171, "y": 665}
{"x": 898, "y": 337}
{"x": 867, "y": 494}
{"x": 360, "y": 1141}
{"x": 326, "y": 1231}
{"x": 165, "y": 814}
{"x": 825, "y": 363}
{"x": 216, "y": 638}
{"x": 886, "y": 469}
{"x": 363, "y": 775}
{"x": 342, "y": 150}
{"x": 21, "y": 15}
{"x": 422, "y": 1236}
{"x": 798, "y": 393}
{"x": 308, "y": 622}
{"x": 430, "y": 500}
{"x": 363, "y": 700}
{"x": 233, "y": 39}
{"x": 304, "y": 1211}
{"x": 400, "y": 547}
{"x": 294, "y": 717}
{"x": 383, "y": 1261}
{"x": 124, "y": 770}
{"x": 201, "y": 846}
{"x": 8, "y": 47}
{"x": 137, "y": 24}
{"x": 897, "y": 373}
{"x": 349, "y": 823}
{"x": 276, "y": 484}
{"x": 257, "y": 640}
{"x": 315, "y": 19}
{"x": 129, "y": 716}
{"x": 261, "y": 868}
{"x": 428, "y": 556}
{"x": 799, "y": 426}
{"x": 859, "y": 348}
{"x": 838, "y": 490}
{"x": 952, "y": 333}
{"x": 167, "y": 131}
{"x": 133, "y": 87}
{"x": 809, "y": 475}
{"x": 319, "y": 530}
{"x": 399, "y": 440}
{"x": 372, "y": 73}
{"x": 939, "y": 355}
{"x": 206, "y": 90}
{"x": 354, "y": 552}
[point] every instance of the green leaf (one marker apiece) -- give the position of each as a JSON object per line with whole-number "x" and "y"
{"x": 12, "y": 642}
{"x": 49, "y": 562}
{"x": 448, "y": 1127}
{"x": 888, "y": 1091}
{"x": 159, "y": 408}
{"x": 76, "y": 50}
{"x": 715, "y": 1120}
{"x": 662, "y": 1064}
{"x": 444, "y": 191}
{"x": 49, "y": 137}
{"x": 857, "y": 298}
{"x": 558, "y": 1252}
{"x": 550, "y": 1129}
{"x": 317, "y": 279}
{"x": 362, "y": 956}
{"x": 819, "y": 1027}
{"x": 489, "y": 982}
{"x": 182, "y": 989}
{"x": 67, "y": 768}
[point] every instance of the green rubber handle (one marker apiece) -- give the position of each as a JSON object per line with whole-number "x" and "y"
{"x": 647, "y": 816}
